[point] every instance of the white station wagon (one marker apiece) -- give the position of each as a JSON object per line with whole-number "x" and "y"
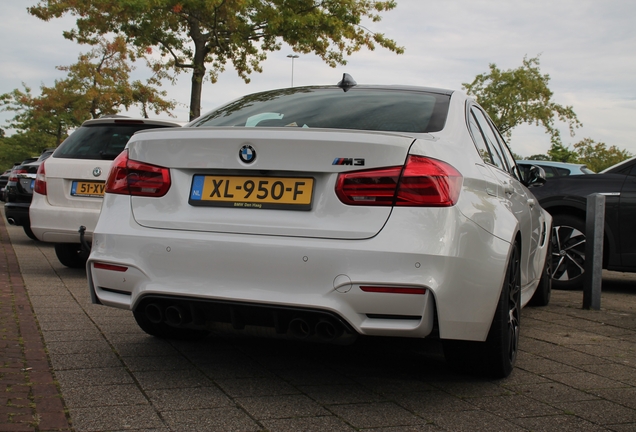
{"x": 324, "y": 213}
{"x": 69, "y": 185}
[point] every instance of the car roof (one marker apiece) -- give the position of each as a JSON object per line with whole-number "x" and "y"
{"x": 618, "y": 165}
{"x": 129, "y": 120}
{"x": 549, "y": 163}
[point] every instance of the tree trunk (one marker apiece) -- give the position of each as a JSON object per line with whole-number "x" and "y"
{"x": 198, "y": 72}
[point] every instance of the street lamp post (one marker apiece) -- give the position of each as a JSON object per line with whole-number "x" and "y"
{"x": 292, "y": 56}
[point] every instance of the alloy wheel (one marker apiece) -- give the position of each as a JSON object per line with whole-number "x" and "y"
{"x": 568, "y": 253}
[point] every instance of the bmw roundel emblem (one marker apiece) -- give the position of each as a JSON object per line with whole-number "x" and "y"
{"x": 247, "y": 154}
{"x": 97, "y": 171}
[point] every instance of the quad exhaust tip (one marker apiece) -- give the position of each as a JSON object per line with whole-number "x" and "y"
{"x": 306, "y": 326}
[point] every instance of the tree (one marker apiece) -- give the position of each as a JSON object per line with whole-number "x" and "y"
{"x": 518, "y": 96}
{"x": 51, "y": 114}
{"x": 539, "y": 157}
{"x": 597, "y": 156}
{"x": 559, "y": 153}
{"x": 96, "y": 85}
{"x": 197, "y": 34}
{"x": 102, "y": 77}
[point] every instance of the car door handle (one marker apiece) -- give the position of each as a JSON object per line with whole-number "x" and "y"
{"x": 532, "y": 203}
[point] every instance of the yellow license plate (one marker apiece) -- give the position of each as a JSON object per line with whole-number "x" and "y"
{"x": 290, "y": 193}
{"x": 89, "y": 189}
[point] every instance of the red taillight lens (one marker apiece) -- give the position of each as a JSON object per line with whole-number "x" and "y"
{"x": 40, "y": 180}
{"x": 421, "y": 182}
{"x": 370, "y": 187}
{"x": 129, "y": 177}
{"x": 13, "y": 177}
{"x": 428, "y": 183}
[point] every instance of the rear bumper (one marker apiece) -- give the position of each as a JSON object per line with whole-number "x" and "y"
{"x": 60, "y": 224}
{"x": 18, "y": 213}
{"x": 459, "y": 265}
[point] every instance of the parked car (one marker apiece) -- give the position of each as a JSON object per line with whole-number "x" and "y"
{"x": 554, "y": 169}
{"x": 566, "y": 197}
{"x": 69, "y": 186}
{"x": 325, "y": 213}
{"x": 19, "y": 192}
{"x": 4, "y": 179}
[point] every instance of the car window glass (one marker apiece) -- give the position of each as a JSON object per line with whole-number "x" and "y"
{"x": 98, "y": 141}
{"x": 478, "y": 139}
{"x": 507, "y": 154}
{"x": 562, "y": 171}
{"x": 489, "y": 138}
{"x": 332, "y": 108}
{"x": 549, "y": 171}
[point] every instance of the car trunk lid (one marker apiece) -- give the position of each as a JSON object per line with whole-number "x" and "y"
{"x": 216, "y": 186}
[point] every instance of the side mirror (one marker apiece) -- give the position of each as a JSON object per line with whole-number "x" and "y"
{"x": 535, "y": 177}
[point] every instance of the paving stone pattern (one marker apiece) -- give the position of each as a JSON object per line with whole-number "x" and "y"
{"x": 576, "y": 370}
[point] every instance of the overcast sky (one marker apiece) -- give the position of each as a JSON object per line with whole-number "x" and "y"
{"x": 587, "y": 47}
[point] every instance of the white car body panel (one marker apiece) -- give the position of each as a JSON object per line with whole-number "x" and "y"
{"x": 58, "y": 216}
{"x": 205, "y": 151}
{"x": 446, "y": 260}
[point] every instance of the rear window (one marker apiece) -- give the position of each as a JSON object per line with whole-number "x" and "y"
{"x": 333, "y": 108}
{"x": 99, "y": 141}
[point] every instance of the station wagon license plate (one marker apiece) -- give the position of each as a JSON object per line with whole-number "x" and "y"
{"x": 88, "y": 189}
{"x": 284, "y": 193}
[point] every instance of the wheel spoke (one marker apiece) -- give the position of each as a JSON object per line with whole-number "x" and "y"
{"x": 569, "y": 247}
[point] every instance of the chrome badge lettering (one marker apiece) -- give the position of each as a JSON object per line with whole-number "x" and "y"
{"x": 348, "y": 161}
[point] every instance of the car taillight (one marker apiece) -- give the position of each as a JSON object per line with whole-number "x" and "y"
{"x": 40, "y": 180}
{"x": 13, "y": 177}
{"x": 422, "y": 182}
{"x": 130, "y": 177}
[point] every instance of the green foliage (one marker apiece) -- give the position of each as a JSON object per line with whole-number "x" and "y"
{"x": 559, "y": 153}
{"x": 22, "y": 145}
{"x": 519, "y": 96}
{"x": 101, "y": 79}
{"x": 49, "y": 115}
{"x": 197, "y": 35}
{"x": 597, "y": 156}
{"x": 539, "y": 157}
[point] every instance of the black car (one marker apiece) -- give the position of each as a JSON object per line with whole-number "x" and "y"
{"x": 4, "y": 179}
{"x": 18, "y": 192}
{"x": 566, "y": 197}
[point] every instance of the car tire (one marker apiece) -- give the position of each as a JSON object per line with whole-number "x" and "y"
{"x": 164, "y": 331}
{"x": 496, "y": 356}
{"x": 568, "y": 252}
{"x": 71, "y": 255}
{"x": 541, "y": 296}
{"x": 29, "y": 233}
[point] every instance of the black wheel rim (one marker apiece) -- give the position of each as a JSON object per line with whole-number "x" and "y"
{"x": 514, "y": 306}
{"x": 568, "y": 253}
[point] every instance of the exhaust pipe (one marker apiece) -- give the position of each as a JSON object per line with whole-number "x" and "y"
{"x": 11, "y": 221}
{"x": 177, "y": 315}
{"x": 300, "y": 328}
{"x": 154, "y": 313}
{"x": 328, "y": 331}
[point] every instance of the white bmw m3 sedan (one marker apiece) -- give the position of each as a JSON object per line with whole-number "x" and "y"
{"x": 324, "y": 213}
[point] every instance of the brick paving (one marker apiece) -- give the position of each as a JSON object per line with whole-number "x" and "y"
{"x": 576, "y": 370}
{"x": 30, "y": 398}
